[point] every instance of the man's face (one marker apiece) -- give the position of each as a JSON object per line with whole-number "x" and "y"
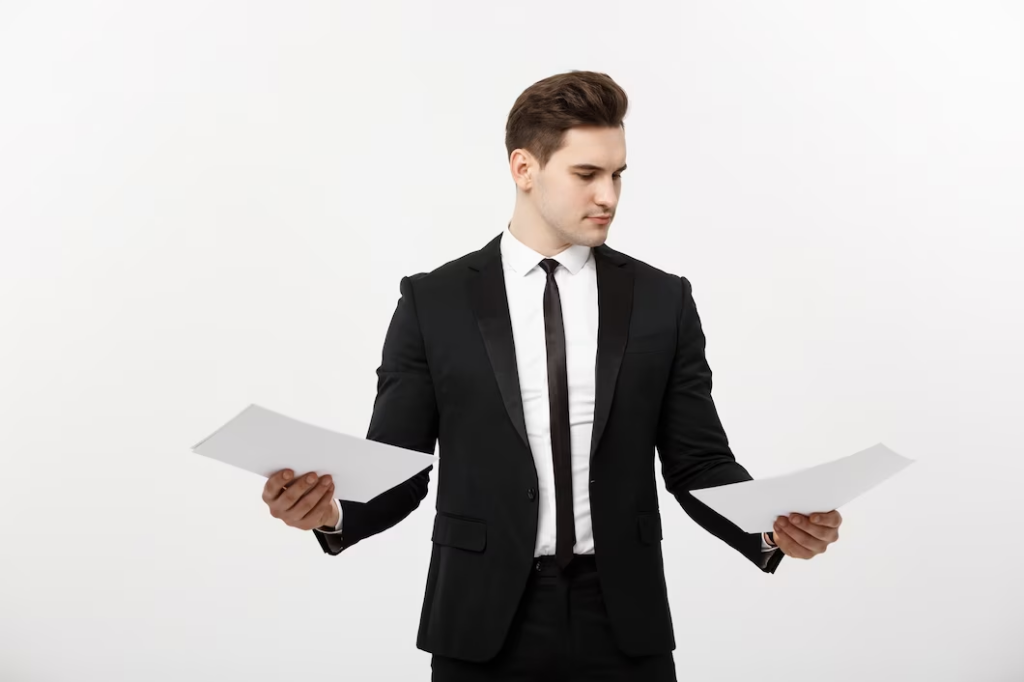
{"x": 582, "y": 179}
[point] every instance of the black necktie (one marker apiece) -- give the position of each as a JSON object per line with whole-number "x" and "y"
{"x": 558, "y": 399}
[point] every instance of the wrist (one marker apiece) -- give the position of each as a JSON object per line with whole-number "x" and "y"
{"x": 330, "y": 521}
{"x": 769, "y": 539}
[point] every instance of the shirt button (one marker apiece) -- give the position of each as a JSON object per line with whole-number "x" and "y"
{"x": 532, "y": 494}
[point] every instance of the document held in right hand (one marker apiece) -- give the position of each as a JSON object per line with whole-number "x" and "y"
{"x": 263, "y": 441}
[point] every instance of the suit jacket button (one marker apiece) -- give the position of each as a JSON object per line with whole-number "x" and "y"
{"x": 532, "y": 494}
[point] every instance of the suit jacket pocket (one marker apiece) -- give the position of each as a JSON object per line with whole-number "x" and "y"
{"x": 649, "y": 528}
{"x": 454, "y": 531}
{"x": 657, "y": 342}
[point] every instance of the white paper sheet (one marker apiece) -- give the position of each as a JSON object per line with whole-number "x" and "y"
{"x": 263, "y": 441}
{"x": 754, "y": 505}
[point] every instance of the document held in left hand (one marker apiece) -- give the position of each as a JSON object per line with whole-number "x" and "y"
{"x": 754, "y": 505}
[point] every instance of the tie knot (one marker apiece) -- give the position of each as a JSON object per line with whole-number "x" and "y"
{"x": 549, "y": 265}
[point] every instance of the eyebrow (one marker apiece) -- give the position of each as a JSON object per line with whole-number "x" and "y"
{"x": 590, "y": 166}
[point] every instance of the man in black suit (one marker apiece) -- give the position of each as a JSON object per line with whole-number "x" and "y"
{"x": 549, "y": 368}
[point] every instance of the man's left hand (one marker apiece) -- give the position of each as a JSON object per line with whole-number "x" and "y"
{"x": 804, "y": 537}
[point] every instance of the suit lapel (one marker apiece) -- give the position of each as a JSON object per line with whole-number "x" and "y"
{"x": 615, "y": 305}
{"x": 490, "y": 304}
{"x": 486, "y": 289}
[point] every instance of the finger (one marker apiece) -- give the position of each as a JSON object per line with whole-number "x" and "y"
{"x": 275, "y": 484}
{"x": 824, "y": 533}
{"x": 832, "y": 519}
{"x": 293, "y": 493}
{"x": 805, "y": 540}
{"x": 309, "y": 500}
{"x": 304, "y": 515}
{"x": 789, "y": 546}
{"x": 318, "y": 514}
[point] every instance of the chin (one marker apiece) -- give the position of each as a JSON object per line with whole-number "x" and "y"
{"x": 590, "y": 235}
{"x": 594, "y": 238}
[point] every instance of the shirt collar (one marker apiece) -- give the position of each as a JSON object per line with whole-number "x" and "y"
{"x": 522, "y": 259}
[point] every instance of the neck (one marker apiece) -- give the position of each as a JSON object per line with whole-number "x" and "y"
{"x": 535, "y": 233}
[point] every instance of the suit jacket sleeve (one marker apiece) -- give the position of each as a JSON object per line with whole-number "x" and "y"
{"x": 404, "y": 414}
{"x": 692, "y": 444}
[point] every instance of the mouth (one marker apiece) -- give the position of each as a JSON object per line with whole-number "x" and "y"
{"x": 600, "y": 219}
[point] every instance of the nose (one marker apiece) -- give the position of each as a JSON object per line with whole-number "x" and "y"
{"x": 605, "y": 197}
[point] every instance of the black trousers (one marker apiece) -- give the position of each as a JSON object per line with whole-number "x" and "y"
{"x": 560, "y": 633}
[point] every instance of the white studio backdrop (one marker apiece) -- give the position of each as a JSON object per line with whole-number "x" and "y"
{"x": 210, "y": 204}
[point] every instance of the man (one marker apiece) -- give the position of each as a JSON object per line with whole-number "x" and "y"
{"x": 549, "y": 368}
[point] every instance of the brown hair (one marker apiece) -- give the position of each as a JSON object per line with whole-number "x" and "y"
{"x": 545, "y": 110}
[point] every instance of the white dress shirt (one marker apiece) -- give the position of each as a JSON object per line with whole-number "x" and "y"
{"x": 577, "y": 287}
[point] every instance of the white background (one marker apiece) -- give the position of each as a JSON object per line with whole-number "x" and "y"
{"x": 210, "y": 204}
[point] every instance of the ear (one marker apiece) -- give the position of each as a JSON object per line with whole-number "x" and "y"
{"x": 521, "y": 164}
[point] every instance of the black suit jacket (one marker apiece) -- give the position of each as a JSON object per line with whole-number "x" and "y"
{"x": 448, "y": 376}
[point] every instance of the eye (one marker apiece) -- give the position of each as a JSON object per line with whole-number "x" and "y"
{"x": 617, "y": 176}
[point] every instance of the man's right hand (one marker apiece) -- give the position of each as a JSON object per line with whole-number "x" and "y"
{"x": 302, "y": 502}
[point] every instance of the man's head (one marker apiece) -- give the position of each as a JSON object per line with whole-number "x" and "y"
{"x": 566, "y": 142}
